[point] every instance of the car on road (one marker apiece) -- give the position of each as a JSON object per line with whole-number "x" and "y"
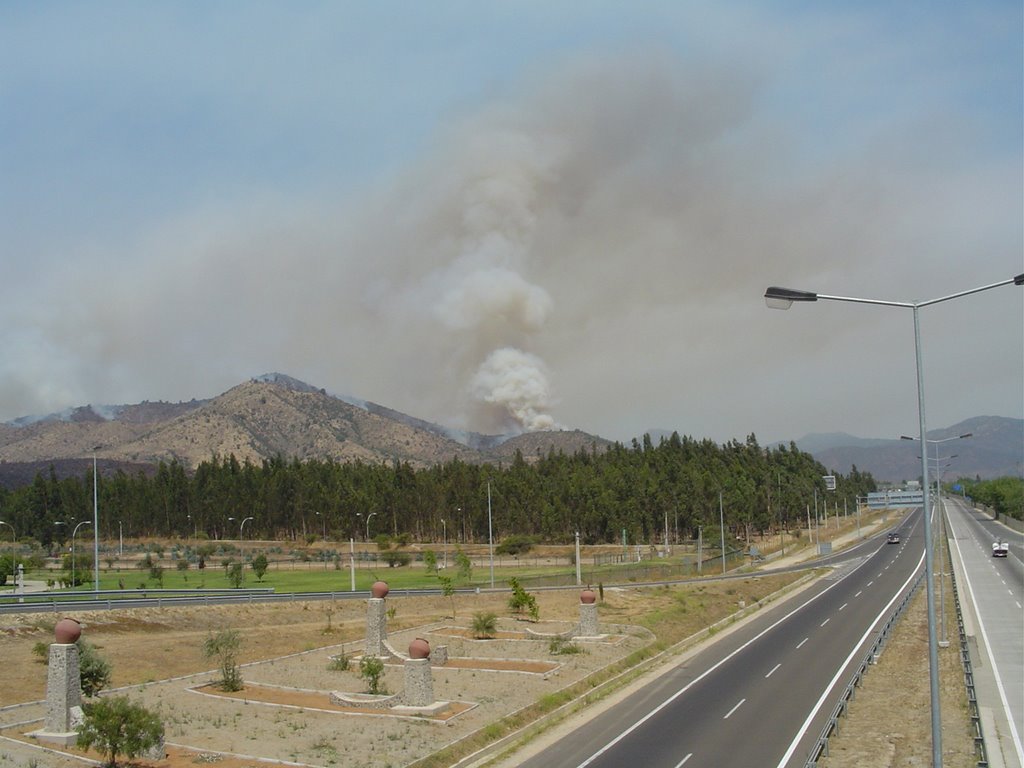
{"x": 894, "y": 538}
{"x": 1000, "y": 548}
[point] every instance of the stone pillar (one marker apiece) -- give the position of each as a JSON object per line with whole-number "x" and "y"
{"x": 588, "y": 620}
{"x": 63, "y": 687}
{"x": 419, "y": 683}
{"x": 376, "y": 628}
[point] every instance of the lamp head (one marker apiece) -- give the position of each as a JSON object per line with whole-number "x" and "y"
{"x": 783, "y": 298}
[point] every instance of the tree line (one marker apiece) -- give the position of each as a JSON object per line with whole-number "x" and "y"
{"x": 630, "y": 493}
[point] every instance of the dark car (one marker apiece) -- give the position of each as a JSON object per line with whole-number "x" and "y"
{"x": 894, "y": 538}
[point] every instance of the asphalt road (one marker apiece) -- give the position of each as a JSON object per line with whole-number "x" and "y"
{"x": 761, "y": 695}
{"x": 993, "y": 589}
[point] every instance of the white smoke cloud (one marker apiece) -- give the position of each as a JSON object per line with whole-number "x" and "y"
{"x": 516, "y": 382}
{"x": 606, "y": 233}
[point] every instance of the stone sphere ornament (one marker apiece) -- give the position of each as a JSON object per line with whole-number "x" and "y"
{"x": 379, "y": 589}
{"x": 67, "y": 631}
{"x": 588, "y": 597}
{"x": 419, "y": 649}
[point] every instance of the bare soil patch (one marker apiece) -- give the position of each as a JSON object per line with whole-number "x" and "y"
{"x": 889, "y": 720}
{"x": 315, "y": 700}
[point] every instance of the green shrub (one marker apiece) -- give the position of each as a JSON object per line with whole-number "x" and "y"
{"x": 259, "y": 566}
{"x": 560, "y": 646}
{"x": 485, "y": 624}
{"x": 224, "y": 648}
{"x": 93, "y": 669}
{"x": 371, "y": 669}
{"x": 397, "y": 559}
{"x": 521, "y": 600}
{"x": 515, "y": 545}
{"x": 339, "y": 663}
{"x": 116, "y": 726}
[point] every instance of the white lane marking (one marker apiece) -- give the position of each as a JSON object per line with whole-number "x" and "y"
{"x": 826, "y": 621}
{"x": 870, "y": 583}
{"x": 712, "y": 668}
{"x": 683, "y": 761}
{"x": 1018, "y": 604}
{"x": 992, "y": 659}
{"x": 740, "y": 704}
{"x": 843, "y": 606}
{"x": 859, "y": 593}
{"x": 803, "y": 641}
{"x": 856, "y": 647}
{"x": 772, "y": 672}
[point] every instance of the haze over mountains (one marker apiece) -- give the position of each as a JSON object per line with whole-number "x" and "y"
{"x": 275, "y": 414}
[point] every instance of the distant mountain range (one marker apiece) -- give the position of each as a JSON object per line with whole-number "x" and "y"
{"x": 275, "y": 414}
{"x": 266, "y": 416}
{"x": 994, "y": 449}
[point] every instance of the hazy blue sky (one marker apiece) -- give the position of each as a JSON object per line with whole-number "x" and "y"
{"x": 487, "y": 214}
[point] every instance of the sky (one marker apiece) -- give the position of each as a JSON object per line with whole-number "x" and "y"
{"x": 517, "y": 215}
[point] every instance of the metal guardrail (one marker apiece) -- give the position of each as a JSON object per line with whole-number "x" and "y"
{"x": 981, "y": 755}
{"x": 820, "y": 748}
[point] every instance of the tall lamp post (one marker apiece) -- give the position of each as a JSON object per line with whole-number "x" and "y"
{"x": 444, "y": 544}
{"x": 783, "y": 298}
{"x": 944, "y": 641}
{"x": 241, "y": 528}
{"x": 95, "y": 523}
{"x": 368, "y": 524}
{"x": 84, "y": 522}
{"x": 14, "y": 534}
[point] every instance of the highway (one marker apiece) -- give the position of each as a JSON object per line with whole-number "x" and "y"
{"x": 992, "y": 596}
{"x": 760, "y": 695}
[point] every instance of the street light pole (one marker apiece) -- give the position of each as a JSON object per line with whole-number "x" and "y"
{"x": 368, "y": 524}
{"x": 444, "y": 544}
{"x": 490, "y": 532}
{"x": 95, "y": 524}
{"x": 944, "y": 642}
{"x": 783, "y": 298}
{"x": 14, "y": 535}
{"x": 241, "y": 528}
{"x": 84, "y": 522}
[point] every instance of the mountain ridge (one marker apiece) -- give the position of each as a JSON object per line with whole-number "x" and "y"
{"x": 277, "y": 415}
{"x": 266, "y": 416}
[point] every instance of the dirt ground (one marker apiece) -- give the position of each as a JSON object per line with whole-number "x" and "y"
{"x": 889, "y": 720}
{"x": 287, "y": 648}
{"x": 285, "y": 713}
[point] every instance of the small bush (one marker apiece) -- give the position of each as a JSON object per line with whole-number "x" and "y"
{"x": 339, "y": 663}
{"x": 515, "y": 545}
{"x": 559, "y": 646}
{"x": 224, "y": 647}
{"x": 397, "y": 559}
{"x": 116, "y": 726}
{"x": 521, "y": 600}
{"x": 371, "y": 669}
{"x": 485, "y": 624}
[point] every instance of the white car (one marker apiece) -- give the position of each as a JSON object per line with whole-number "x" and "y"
{"x": 1000, "y": 548}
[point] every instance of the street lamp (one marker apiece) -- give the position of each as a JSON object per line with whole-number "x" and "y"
{"x": 444, "y": 545}
{"x": 84, "y": 522}
{"x": 241, "y": 528}
{"x": 95, "y": 523}
{"x": 14, "y": 534}
{"x": 323, "y": 525}
{"x": 783, "y": 298}
{"x": 368, "y": 524}
{"x": 14, "y": 547}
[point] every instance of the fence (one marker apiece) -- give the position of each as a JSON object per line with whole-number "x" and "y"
{"x": 831, "y": 728}
{"x": 972, "y": 700}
